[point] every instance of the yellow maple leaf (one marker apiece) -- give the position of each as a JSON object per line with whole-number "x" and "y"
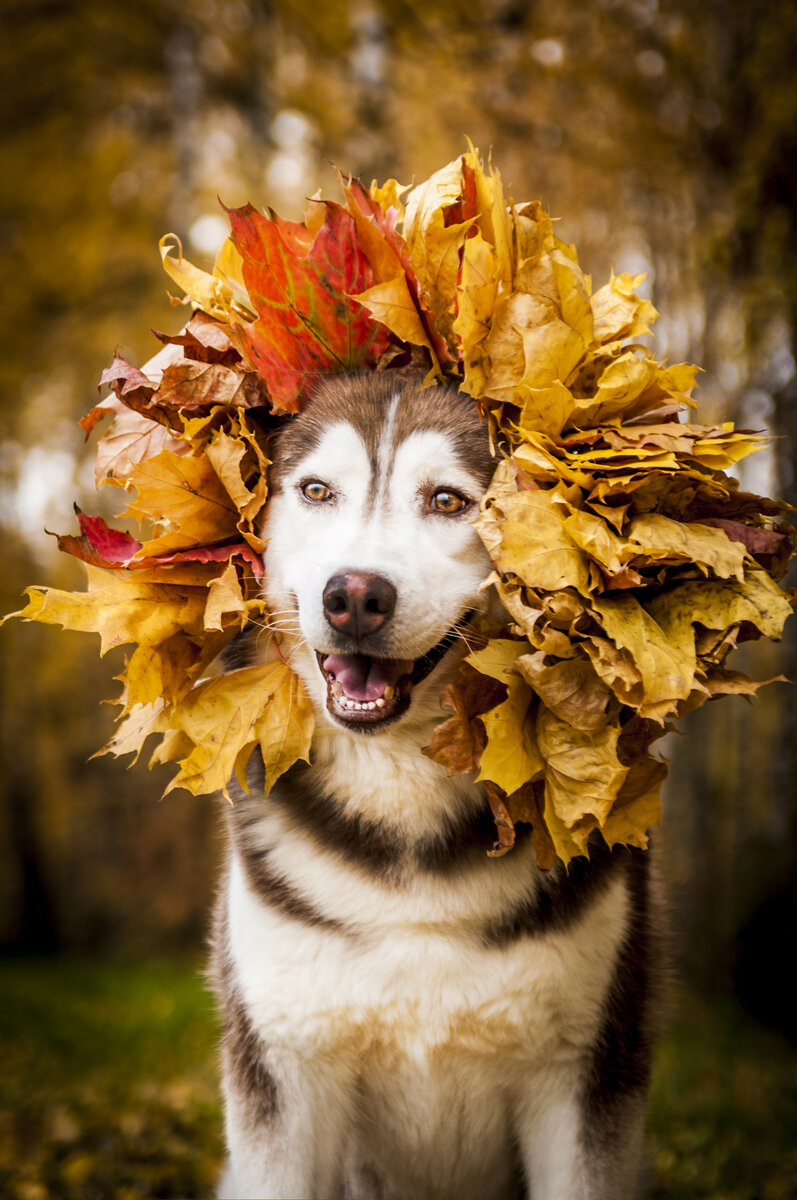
{"x": 391, "y": 303}
{"x": 133, "y": 730}
{"x": 637, "y": 806}
{"x": 185, "y": 499}
{"x": 532, "y": 234}
{"x": 525, "y": 534}
{"x": 226, "y": 717}
{"x": 159, "y": 670}
{"x": 476, "y": 294}
{"x": 570, "y": 689}
{"x": 583, "y": 774}
{"x": 284, "y": 729}
{"x": 617, "y": 668}
{"x": 574, "y": 299}
{"x": 240, "y": 465}
{"x": 620, "y": 383}
{"x": 568, "y": 843}
{"x": 389, "y": 194}
{"x": 665, "y": 663}
{"x": 618, "y": 312}
{"x": 592, "y": 534}
{"x": 225, "y": 598}
{"x": 494, "y": 218}
{"x": 222, "y": 294}
{"x": 545, "y": 409}
{"x": 660, "y": 537}
{"x": 120, "y": 607}
{"x": 530, "y": 344}
{"x": 723, "y": 446}
{"x": 228, "y": 268}
{"x": 433, "y": 249}
{"x": 441, "y": 268}
{"x": 542, "y": 461}
{"x": 756, "y": 600}
{"x": 510, "y": 758}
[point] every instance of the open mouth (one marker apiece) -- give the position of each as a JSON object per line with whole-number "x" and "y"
{"x": 364, "y": 691}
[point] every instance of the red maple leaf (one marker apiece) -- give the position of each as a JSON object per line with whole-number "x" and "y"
{"x": 102, "y": 546}
{"x": 308, "y": 326}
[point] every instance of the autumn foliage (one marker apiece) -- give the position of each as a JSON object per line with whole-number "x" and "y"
{"x": 628, "y": 561}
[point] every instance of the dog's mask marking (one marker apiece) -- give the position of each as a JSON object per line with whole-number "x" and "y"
{"x": 374, "y": 518}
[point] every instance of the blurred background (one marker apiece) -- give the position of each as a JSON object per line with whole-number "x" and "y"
{"x": 663, "y": 136}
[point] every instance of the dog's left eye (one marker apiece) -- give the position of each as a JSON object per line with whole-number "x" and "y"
{"x": 315, "y": 491}
{"x": 446, "y": 501}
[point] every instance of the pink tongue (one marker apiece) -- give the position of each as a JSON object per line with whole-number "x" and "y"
{"x": 363, "y": 678}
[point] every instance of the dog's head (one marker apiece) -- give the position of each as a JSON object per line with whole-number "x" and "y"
{"x": 373, "y": 563}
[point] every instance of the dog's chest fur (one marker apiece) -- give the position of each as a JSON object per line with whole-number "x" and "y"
{"x": 440, "y": 992}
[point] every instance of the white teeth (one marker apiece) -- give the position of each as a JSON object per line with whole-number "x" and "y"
{"x": 337, "y": 688}
{"x": 356, "y": 705}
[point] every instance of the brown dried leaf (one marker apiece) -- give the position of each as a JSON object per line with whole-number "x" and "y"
{"x": 571, "y": 690}
{"x": 458, "y": 742}
{"x": 583, "y": 774}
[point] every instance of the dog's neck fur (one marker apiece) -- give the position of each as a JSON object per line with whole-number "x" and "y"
{"x": 388, "y": 780}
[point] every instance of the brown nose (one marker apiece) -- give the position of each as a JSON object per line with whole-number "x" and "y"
{"x": 358, "y": 602}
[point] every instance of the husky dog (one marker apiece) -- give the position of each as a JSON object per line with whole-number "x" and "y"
{"x": 407, "y": 1018}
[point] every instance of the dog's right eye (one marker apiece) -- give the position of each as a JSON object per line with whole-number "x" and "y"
{"x": 315, "y": 491}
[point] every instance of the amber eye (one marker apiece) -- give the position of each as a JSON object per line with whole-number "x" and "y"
{"x": 447, "y": 502}
{"x": 315, "y": 491}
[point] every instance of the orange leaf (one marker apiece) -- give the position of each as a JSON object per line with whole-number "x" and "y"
{"x": 308, "y": 326}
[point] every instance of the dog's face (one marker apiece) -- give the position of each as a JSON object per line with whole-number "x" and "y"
{"x": 372, "y": 561}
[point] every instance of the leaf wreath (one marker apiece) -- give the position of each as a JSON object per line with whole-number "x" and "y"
{"x": 629, "y": 563}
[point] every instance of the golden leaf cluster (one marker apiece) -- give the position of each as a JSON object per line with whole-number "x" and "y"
{"x": 627, "y": 560}
{"x": 188, "y": 451}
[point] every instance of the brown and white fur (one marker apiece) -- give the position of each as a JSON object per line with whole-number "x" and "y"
{"x": 407, "y": 1018}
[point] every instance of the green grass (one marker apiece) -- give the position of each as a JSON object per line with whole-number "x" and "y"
{"x": 108, "y": 1091}
{"x": 107, "y": 1082}
{"x": 723, "y": 1112}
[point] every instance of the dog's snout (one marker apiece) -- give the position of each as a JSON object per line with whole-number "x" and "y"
{"x": 359, "y": 602}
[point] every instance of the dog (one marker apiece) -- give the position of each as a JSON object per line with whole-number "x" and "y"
{"x": 407, "y": 1018}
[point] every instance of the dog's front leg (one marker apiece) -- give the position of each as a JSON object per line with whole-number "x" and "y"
{"x": 572, "y": 1153}
{"x": 286, "y": 1121}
